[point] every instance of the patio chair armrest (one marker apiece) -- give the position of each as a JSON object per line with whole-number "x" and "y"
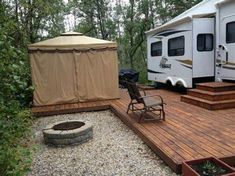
{"x": 141, "y": 89}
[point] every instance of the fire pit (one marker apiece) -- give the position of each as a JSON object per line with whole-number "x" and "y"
{"x": 67, "y": 133}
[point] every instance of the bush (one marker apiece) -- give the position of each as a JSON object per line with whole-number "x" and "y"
{"x": 15, "y": 97}
{"x": 15, "y": 126}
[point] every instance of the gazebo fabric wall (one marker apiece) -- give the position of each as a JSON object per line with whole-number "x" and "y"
{"x": 97, "y": 75}
{"x": 74, "y": 76}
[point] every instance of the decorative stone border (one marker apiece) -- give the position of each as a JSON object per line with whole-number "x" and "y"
{"x": 67, "y": 137}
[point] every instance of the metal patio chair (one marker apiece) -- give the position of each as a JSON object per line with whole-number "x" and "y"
{"x": 145, "y": 103}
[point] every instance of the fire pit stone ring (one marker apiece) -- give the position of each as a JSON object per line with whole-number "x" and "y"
{"x": 71, "y": 132}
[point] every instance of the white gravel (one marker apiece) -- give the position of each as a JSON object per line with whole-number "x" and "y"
{"x": 114, "y": 150}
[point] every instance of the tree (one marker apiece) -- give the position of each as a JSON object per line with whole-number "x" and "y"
{"x": 35, "y": 19}
{"x": 94, "y": 18}
{"x": 138, "y": 18}
{"x": 167, "y": 9}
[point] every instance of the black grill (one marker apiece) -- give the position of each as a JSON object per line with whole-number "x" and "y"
{"x": 129, "y": 75}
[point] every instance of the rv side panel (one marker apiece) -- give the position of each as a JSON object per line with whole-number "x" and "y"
{"x": 226, "y": 61}
{"x": 170, "y": 55}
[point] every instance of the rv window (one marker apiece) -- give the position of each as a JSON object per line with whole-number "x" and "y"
{"x": 176, "y": 46}
{"x": 205, "y": 42}
{"x": 230, "y": 32}
{"x": 156, "y": 49}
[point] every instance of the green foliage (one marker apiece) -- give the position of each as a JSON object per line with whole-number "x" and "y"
{"x": 209, "y": 168}
{"x": 15, "y": 93}
{"x": 22, "y": 22}
{"x": 14, "y": 128}
{"x": 14, "y": 71}
{"x": 94, "y": 18}
{"x": 167, "y": 9}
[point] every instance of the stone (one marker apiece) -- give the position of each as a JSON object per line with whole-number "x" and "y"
{"x": 67, "y": 137}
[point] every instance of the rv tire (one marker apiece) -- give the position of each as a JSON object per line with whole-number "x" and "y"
{"x": 169, "y": 84}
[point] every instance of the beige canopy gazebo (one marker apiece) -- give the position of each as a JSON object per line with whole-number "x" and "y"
{"x": 73, "y": 68}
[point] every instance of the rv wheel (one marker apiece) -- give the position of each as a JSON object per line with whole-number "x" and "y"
{"x": 180, "y": 87}
{"x": 169, "y": 84}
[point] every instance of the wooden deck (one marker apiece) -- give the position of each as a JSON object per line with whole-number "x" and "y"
{"x": 189, "y": 132}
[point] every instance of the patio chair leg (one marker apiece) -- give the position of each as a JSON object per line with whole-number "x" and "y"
{"x": 163, "y": 114}
{"x": 129, "y": 107}
{"x": 141, "y": 114}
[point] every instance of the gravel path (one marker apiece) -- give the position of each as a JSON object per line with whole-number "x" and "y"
{"x": 114, "y": 150}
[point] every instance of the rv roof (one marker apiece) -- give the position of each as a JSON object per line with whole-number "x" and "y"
{"x": 222, "y": 2}
{"x": 208, "y": 6}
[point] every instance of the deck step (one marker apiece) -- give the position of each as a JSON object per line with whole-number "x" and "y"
{"x": 212, "y": 96}
{"x": 216, "y": 86}
{"x": 207, "y": 104}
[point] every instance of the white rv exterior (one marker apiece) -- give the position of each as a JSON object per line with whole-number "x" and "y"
{"x": 226, "y": 38}
{"x": 196, "y": 46}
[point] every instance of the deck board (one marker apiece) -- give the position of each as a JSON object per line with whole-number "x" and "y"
{"x": 189, "y": 132}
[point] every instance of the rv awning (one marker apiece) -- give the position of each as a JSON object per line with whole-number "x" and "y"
{"x": 208, "y": 6}
{"x": 167, "y": 25}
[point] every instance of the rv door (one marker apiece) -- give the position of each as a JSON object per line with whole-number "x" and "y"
{"x": 203, "y": 48}
{"x": 227, "y": 37}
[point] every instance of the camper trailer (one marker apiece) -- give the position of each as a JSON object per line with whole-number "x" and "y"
{"x": 196, "y": 46}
